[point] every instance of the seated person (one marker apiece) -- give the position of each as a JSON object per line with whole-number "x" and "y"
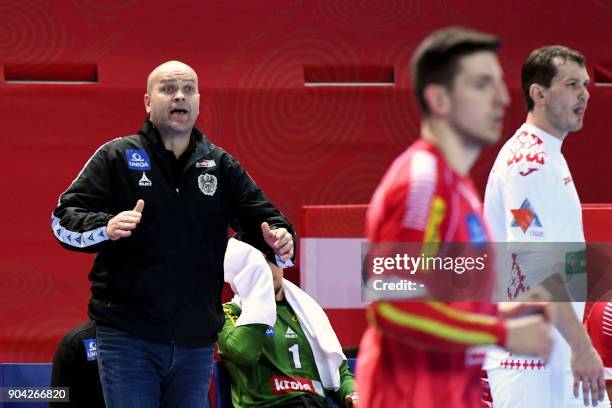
{"x": 295, "y": 363}
{"x": 75, "y": 366}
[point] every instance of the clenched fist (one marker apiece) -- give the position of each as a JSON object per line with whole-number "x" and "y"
{"x": 280, "y": 240}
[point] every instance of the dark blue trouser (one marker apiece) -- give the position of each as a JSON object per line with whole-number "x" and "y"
{"x": 141, "y": 373}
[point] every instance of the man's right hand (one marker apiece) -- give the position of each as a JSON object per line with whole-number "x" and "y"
{"x": 530, "y": 335}
{"x": 122, "y": 224}
{"x": 588, "y": 368}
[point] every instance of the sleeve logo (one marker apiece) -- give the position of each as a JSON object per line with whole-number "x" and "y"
{"x": 525, "y": 217}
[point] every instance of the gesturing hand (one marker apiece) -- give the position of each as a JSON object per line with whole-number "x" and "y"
{"x": 279, "y": 239}
{"x": 122, "y": 224}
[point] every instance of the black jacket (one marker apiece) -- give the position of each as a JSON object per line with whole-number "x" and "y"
{"x": 164, "y": 281}
{"x": 75, "y": 366}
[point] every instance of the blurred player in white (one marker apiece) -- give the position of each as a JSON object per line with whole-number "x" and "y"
{"x": 530, "y": 198}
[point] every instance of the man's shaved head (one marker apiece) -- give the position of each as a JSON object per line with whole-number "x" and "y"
{"x": 169, "y": 66}
{"x": 172, "y": 100}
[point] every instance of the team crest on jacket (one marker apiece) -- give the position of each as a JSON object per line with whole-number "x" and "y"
{"x": 207, "y": 184}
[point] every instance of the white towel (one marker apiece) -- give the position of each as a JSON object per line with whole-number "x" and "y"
{"x": 325, "y": 346}
{"x": 249, "y": 275}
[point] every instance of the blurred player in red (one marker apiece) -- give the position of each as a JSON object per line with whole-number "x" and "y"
{"x": 428, "y": 354}
{"x": 599, "y": 327}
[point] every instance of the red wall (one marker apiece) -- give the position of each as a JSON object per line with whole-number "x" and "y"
{"x": 303, "y": 145}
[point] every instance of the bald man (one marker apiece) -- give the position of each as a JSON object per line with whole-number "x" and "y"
{"x": 156, "y": 207}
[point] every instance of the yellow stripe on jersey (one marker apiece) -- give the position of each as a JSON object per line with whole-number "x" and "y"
{"x": 435, "y": 328}
{"x": 461, "y": 316}
{"x": 431, "y": 237}
{"x": 436, "y": 216}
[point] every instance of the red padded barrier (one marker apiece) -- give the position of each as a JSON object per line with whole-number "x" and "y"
{"x": 603, "y": 74}
{"x": 326, "y": 223}
{"x": 67, "y": 72}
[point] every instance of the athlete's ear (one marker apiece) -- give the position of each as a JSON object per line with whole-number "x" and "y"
{"x": 147, "y": 103}
{"x": 437, "y": 99}
{"x": 536, "y": 92}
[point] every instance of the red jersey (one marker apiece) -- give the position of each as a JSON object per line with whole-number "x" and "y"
{"x": 598, "y": 325}
{"x": 425, "y": 354}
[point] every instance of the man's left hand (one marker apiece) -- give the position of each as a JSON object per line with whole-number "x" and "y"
{"x": 280, "y": 240}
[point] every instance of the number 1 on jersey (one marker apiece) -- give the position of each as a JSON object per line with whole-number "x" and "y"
{"x": 295, "y": 351}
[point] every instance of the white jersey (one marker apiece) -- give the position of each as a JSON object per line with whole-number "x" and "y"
{"x": 530, "y": 195}
{"x": 530, "y": 198}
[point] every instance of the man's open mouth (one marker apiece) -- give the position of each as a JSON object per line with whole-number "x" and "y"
{"x": 580, "y": 110}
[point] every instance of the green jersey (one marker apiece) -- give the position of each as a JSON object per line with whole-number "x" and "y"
{"x": 269, "y": 365}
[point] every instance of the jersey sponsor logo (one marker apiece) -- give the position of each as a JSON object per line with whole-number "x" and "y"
{"x": 137, "y": 159}
{"x": 525, "y": 217}
{"x": 205, "y": 164}
{"x": 91, "y": 350}
{"x": 528, "y": 171}
{"x": 144, "y": 181}
{"x": 207, "y": 184}
{"x": 285, "y": 385}
{"x": 290, "y": 334}
{"x": 528, "y": 147}
{"x": 270, "y": 331}
{"x": 475, "y": 229}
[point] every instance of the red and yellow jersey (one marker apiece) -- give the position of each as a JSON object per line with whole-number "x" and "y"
{"x": 425, "y": 354}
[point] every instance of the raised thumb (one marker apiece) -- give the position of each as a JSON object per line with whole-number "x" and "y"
{"x": 265, "y": 228}
{"x": 139, "y": 206}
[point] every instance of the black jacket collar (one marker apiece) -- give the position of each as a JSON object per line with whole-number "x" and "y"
{"x": 198, "y": 142}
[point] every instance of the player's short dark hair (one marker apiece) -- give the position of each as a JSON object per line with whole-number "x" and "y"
{"x": 541, "y": 67}
{"x": 436, "y": 59}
